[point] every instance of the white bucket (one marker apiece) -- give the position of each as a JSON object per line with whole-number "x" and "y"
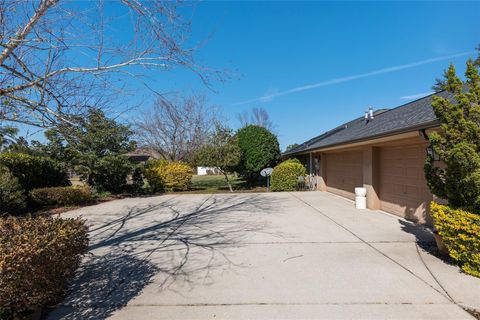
{"x": 361, "y": 202}
{"x": 360, "y": 192}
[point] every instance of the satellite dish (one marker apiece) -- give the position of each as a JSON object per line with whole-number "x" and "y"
{"x": 266, "y": 172}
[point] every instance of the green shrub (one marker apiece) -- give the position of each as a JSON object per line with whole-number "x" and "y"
{"x": 37, "y": 258}
{"x": 460, "y": 231}
{"x": 285, "y": 175}
{"x": 178, "y": 176}
{"x": 154, "y": 174}
{"x": 168, "y": 176}
{"x": 12, "y": 197}
{"x": 457, "y": 177}
{"x": 35, "y": 172}
{"x": 259, "y": 149}
{"x": 137, "y": 179}
{"x": 61, "y": 195}
{"x": 107, "y": 174}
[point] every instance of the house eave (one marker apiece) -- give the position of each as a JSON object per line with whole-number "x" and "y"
{"x": 371, "y": 139}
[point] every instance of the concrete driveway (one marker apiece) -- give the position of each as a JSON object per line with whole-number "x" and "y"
{"x": 307, "y": 255}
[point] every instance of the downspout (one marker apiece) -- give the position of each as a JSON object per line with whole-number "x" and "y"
{"x": 310, "y": 167}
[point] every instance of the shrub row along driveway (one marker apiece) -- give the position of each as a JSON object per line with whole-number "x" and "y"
{"x": 303, "y": 255}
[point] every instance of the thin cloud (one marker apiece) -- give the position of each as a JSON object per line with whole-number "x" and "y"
{"x": 416, "y": 96}
{"x": 270, "y": 97}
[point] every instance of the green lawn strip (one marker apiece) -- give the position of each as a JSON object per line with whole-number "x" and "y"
{"x": 213, "y": 183}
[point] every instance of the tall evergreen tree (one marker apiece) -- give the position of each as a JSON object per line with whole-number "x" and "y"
{"x": 458, "y": 145}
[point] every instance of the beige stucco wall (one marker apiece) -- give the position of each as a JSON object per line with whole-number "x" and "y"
{"x": 370, "y": 154}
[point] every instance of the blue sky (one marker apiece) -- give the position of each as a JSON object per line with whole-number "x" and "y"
{"x": 381, "y": 54}
{"x": 315, "y": 65}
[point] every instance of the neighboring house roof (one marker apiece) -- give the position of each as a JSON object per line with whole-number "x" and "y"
{"x": 414, "y": 115}
{"x": 138, "y": 157}
{"x": 142, "y": 154}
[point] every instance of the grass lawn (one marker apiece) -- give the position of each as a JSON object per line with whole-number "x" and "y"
{"x": 214, "y": 183}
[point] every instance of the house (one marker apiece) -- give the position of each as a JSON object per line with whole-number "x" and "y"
{"x": 383, "y": 151}
{"x": 142, "y": 155}
{"x": 203, "y": 171}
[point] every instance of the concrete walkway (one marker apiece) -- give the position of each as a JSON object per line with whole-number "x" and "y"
{"x": 307, "y": 255}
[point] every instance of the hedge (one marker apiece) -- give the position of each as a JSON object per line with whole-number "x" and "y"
{"x": 37, "y": 258}
{"x": 12, "y": 197}
{"x": 61, "y": 195}
{"x": 35, "y": 172}
{"x": 168, "y": 176}
{"x": 460, "y": 231}
{"x": 285, "y": 175}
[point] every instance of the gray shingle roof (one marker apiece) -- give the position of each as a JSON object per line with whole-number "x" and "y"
{"x": 413, "y": 115}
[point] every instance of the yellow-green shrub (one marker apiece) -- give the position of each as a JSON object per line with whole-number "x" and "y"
{"x": 61, "y": 195}
{"x": 37, "y": 258}
{"x": 168, "y": 176}
{"x": 154, "y": 173}
{"x": 285, "y": 175}
{"x": 460, "y": 231}
{"x": 178, "y": 176}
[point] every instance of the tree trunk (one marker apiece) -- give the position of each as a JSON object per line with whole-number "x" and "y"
{"x": 228, "y": 181}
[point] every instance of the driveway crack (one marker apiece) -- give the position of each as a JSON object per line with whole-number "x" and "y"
{"x": 444, "y": 294}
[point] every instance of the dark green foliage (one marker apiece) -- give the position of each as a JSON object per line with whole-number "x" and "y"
{"x": 137, "y": 178}
{"x": 7, "y": 136}
{"x": 285, "y": 175}
{"x": 220, "y": 151}
{"x": 100, "y": 136}
{"x": 12, "y": 196}
{"x": 107, "y": 173}
{"x": 38, "y": 256}
{"x": 292, "y": 146}
{"x": 35, "y": 172}
{"x": 95, "y": 152}
{"x": 56, "y": 147}
{"x": 459, "y": 144}
{"x": 259, "y": 149}
{"x": 92, "y": 149}
{"x": 65, "y": 196}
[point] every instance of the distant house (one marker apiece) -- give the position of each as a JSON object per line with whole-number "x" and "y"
{"x": 384, "y": 152}
{"x": 203, "y": 171}
{"x": 142, "y": 155}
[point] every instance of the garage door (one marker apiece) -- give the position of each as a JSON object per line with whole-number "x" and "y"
{"x": 403, "y": 188}
{"x": 344, "y": 172}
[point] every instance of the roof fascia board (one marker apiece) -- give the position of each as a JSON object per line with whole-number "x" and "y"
{"x": 393, "y": 135}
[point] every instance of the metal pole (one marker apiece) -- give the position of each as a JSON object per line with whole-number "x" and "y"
{"x": 310, "y": 166}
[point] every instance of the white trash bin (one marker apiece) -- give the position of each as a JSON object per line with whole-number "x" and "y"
{"x": 360, "y": 198}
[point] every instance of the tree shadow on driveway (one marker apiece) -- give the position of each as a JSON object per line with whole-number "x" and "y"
{"x": 103, "y": 285}
{"x": 162, "y": 243}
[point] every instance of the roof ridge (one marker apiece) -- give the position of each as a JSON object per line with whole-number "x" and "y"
{"x": 413, "y": 101}
{"x": 384, "y": 114}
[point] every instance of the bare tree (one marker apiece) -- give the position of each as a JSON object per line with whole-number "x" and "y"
{"x": 57, "y": 57}
{"x": 176, "y": 128}
{"x": 257, "y": 116}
